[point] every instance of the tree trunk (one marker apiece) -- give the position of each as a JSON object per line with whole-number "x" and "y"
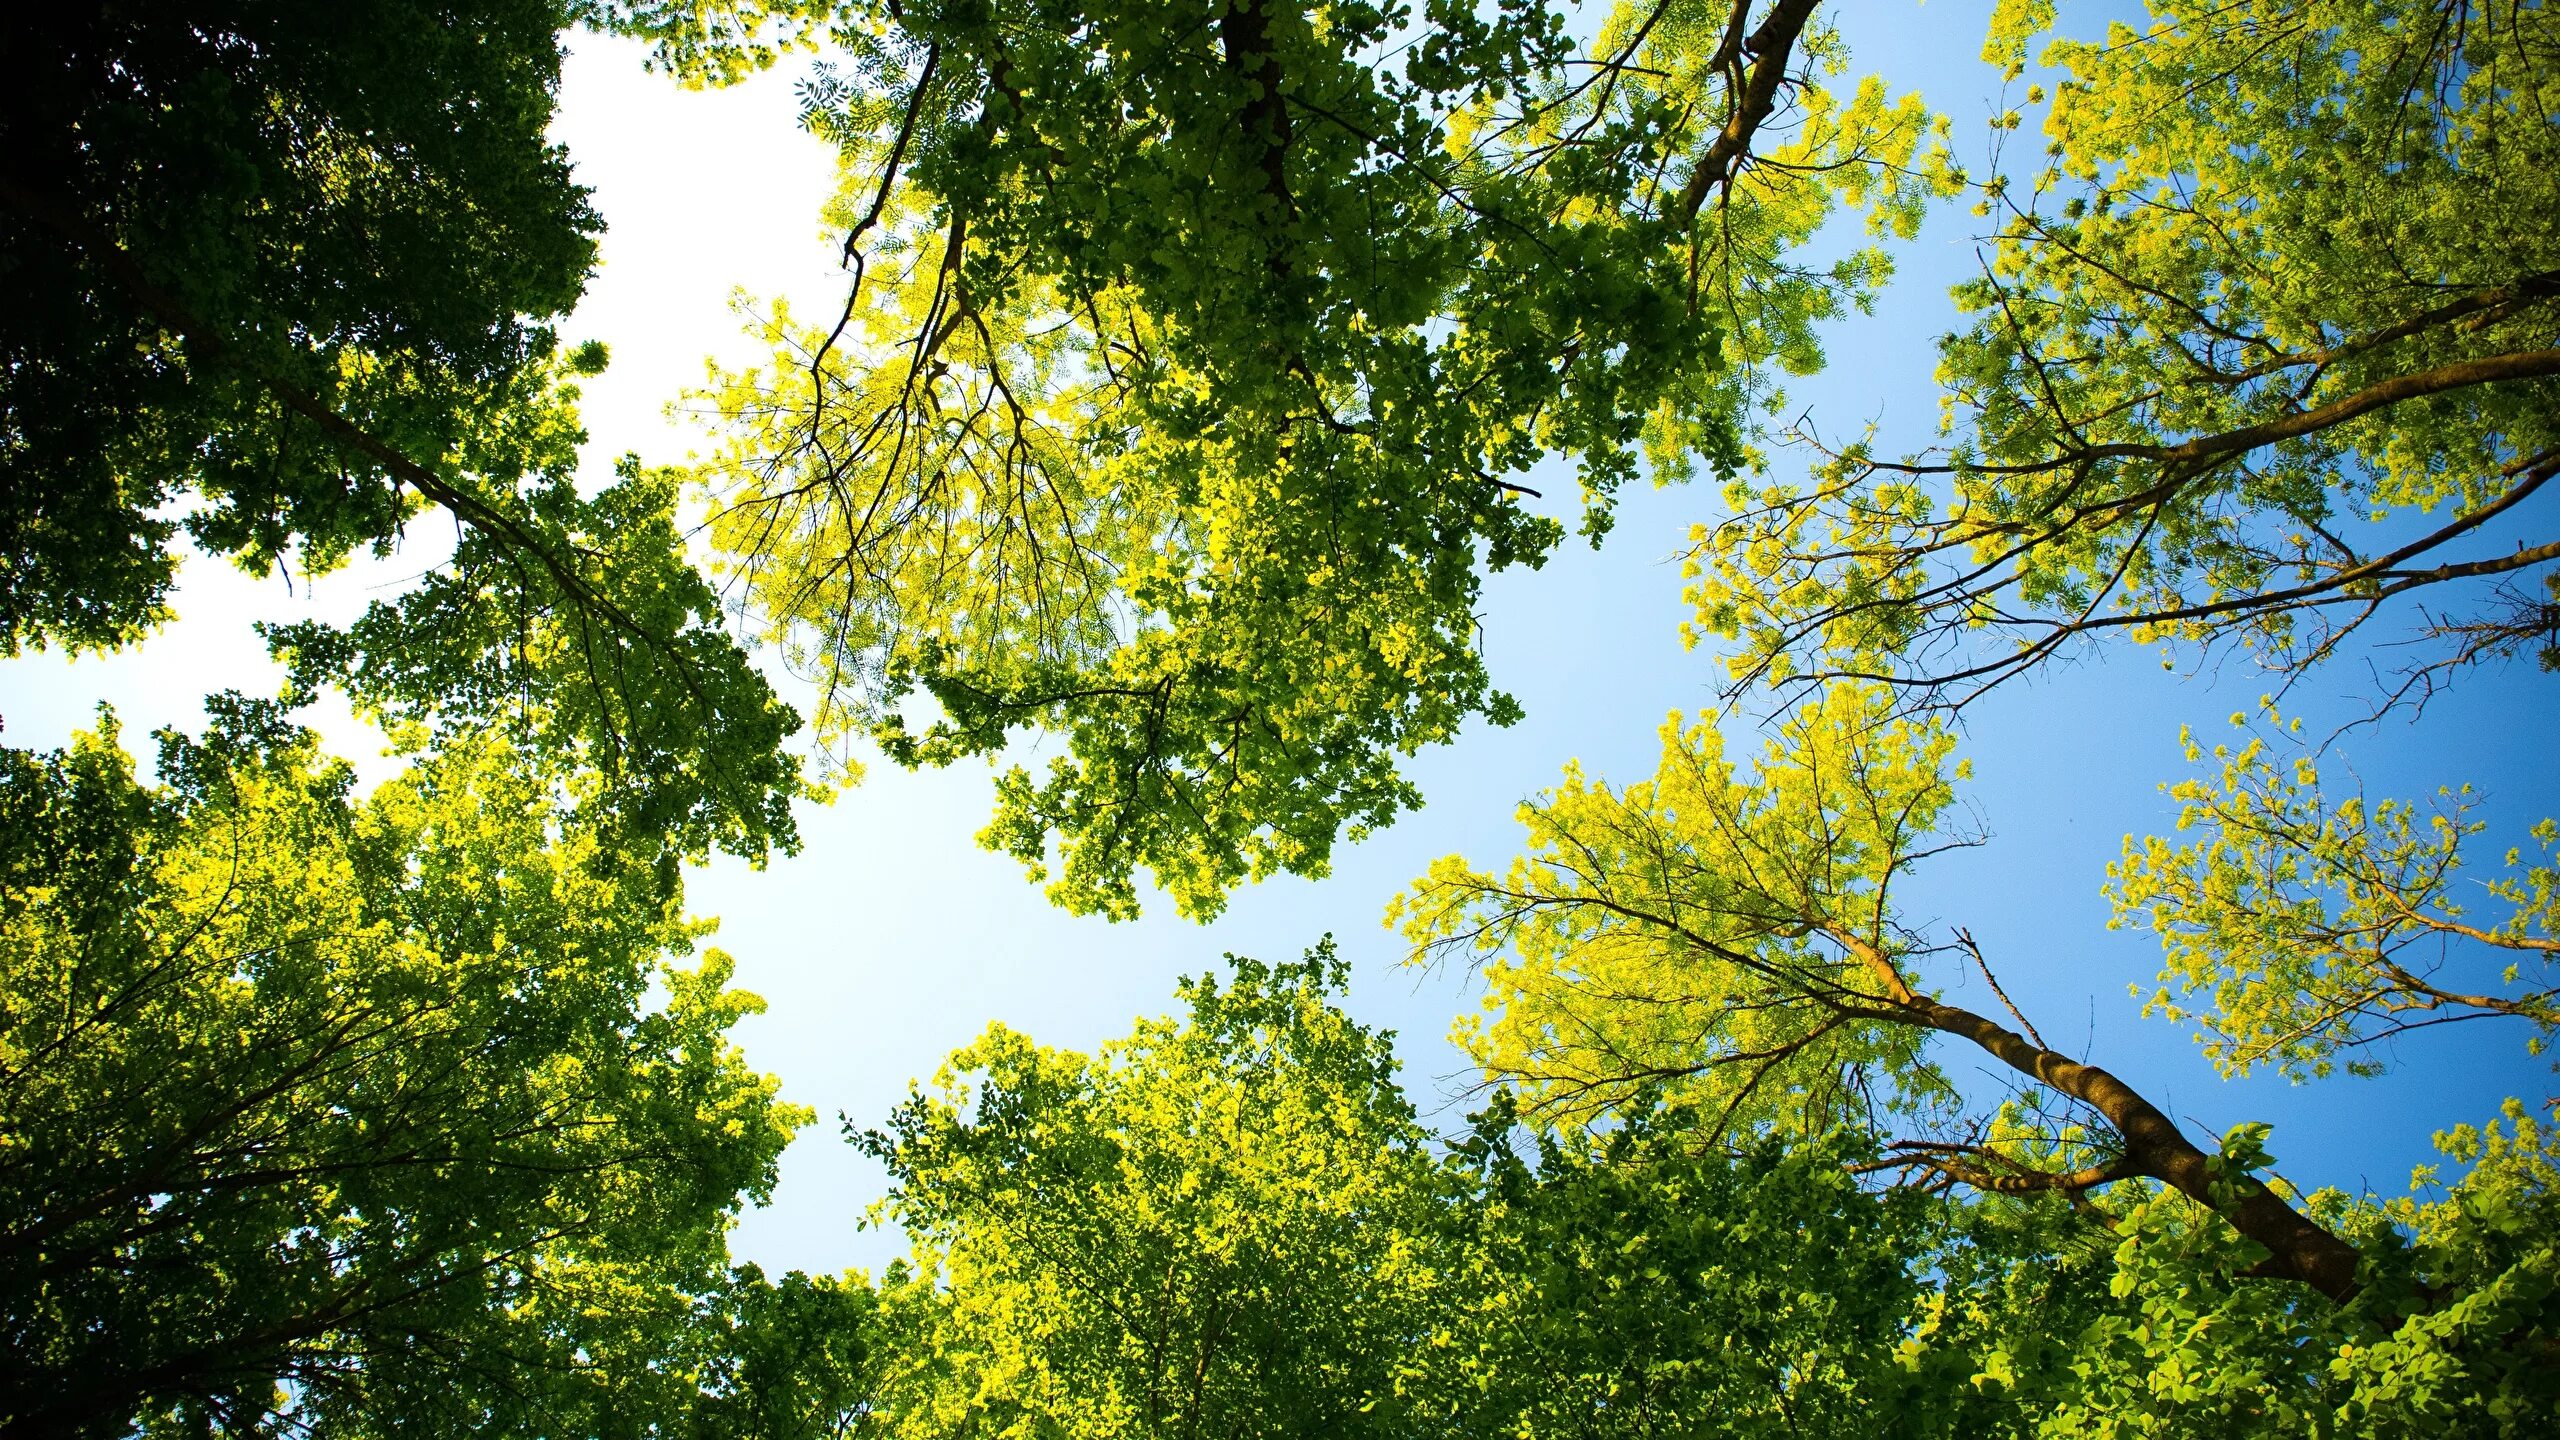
{"x": 2299, "y": 1249}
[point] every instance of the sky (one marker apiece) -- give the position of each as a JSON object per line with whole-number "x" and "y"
{"x": 892, "y": 939}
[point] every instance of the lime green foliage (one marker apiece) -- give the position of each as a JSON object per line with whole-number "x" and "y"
{"x": 1192, "y": 359}
{"x": 1639, "y": 1283}
{"x": 2483, "y": 1355}
{"x": 2266, "y": 341}
{"x": 1210, "y": 1227}
{"x": 317, "y": 1105}
{"x": 278, "y": 276}
{"x": 1731, "y": 939}
{"x": 2158, "y": 1331}
{"x": 2315, "y": 928}
{"x": 1229, "y": 1224}
{"x": 1712, "y": 926}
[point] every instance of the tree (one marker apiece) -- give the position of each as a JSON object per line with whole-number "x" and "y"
{"x": 1730, "y": 938}
{"x": 1218, "y": 1225}
{"x": 225, "y": 178}
{"x": 311, "y": 1108}
{"x": 276, "y": 276}
{"x": 1116, "y": 1246}
{"x": 1734, "y": 933}
{"x": 2256, "y": 355}
{"x": 2296, "y": 930}
{"x": 2208, "y": 332}
{"x": 1190, "y": 361}
{"x": 1230, "y": 1223}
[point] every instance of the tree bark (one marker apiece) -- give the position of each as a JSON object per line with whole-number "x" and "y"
{"x": 1771, "y": 47}
{"x": 2154, "y": 1147}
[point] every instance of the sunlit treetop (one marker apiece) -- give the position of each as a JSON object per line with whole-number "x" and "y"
{"x": 1728, "y": 936}
{"x": 1218, "y": 1224}
{"x": 2263, "y": 342}
{"x": 2299, "y": 930}
{"x": 1709, "y": 930}
{"x": 1193, "y": 360}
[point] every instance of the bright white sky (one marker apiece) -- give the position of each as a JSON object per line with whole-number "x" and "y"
{"x": 892, "y": 939}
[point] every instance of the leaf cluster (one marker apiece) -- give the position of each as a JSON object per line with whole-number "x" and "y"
{"x": 2255, "y": 351}
{"x": 310, "y": 1105}
{"x": 2296, "y": 929}
{"x": 1192, "y": 357}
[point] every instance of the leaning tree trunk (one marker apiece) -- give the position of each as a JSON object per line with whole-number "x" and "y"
{"x": 2153, "y": 1146}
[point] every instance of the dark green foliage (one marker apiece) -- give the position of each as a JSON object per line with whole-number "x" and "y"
{"x": 1643, "y": 1282}
{"x": 651, "y": 694}
{"x": 273, "y": 275}
{"x": 353, "y": 200}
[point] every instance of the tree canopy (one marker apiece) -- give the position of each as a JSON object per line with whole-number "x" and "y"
{"x": 1737, "y": 932}
{"x": 1191, "y": 361}
{"x": 1192, "y": 371}
{"x": 1213, "y": 1226}
{"x": 2260, "y": 346}
{"x": 1227, "y": 1222}
{"x": 277, "y": 277}
{"x": 312, "y": 1108}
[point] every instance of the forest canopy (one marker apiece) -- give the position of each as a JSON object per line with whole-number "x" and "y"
{"x": 1194, "y": 371}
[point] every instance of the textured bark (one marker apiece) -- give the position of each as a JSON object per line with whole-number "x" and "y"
{"x": 2154, "y": 1147}
{"x": 1770, "y": 47}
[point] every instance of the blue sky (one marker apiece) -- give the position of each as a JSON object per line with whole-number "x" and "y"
{"x": 892, "y": 939}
